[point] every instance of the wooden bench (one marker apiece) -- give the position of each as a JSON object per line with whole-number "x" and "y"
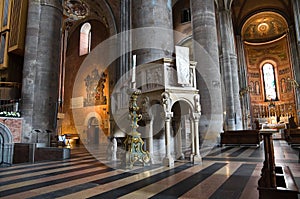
{"x": 292, "y": 136}
{"x": 241, "y": 137}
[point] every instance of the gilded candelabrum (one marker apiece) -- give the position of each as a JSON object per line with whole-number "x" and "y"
{"x": 134, "y": 143}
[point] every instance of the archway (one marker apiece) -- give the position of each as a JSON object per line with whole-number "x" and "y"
{"x": 181, "y": 131}
{"x": 93, "y": 131}
{"x": 6, "y": 146}
{"x": 266, "y": 45}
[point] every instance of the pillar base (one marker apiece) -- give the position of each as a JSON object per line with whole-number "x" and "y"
{"x": 197, "y": 159}
{"x": 168, "y": 161}
{"x": 182, "y": 156}
{"x": 192, "y": 157}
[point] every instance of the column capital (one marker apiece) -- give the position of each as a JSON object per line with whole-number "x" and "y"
{"x": 196, "y": 116}
{"x": 168, "y": 116}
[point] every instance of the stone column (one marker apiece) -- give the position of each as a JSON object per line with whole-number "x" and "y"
{"x": 295, "y": 56}
{"x": 153, "y": 35}
{"x": 295, "y": 45}
{"x": 230, "y": 72}
{"x": 244, "y": 94}
{"x": 168, "y": 159}
{"x": 125, "y": 43}
{"x": 206, "y": 55}
{"x": 192, "y": 138}
{"x": 296, "y": 9}
{"x": 150, "y": 139}
{"x": 41, "y": 66}
{"x": 197, "y": 157}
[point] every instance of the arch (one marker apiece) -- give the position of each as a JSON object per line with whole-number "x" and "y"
{"x": 269, "y": 80}
{"x": 184, "y": 100}
{"x": 85, "y": 39}
{"x": 91, "y": 115}
{"x": 273, "y": 63}
{"x": 188, "y": 42}
{"x": 107, "y": 17}
{"x": 6, "y": 145}
{"x": 6, "y": 134}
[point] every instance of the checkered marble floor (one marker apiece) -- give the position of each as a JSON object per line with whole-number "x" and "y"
{"x": 226, "y": 172}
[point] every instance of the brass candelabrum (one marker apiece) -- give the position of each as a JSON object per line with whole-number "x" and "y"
{"x": 134, "y": 143}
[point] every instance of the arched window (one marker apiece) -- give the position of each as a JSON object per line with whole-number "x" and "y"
{"x": 269, "y": 82}
{"x": 85, "y": 39}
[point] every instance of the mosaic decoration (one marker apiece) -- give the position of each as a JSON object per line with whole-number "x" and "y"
{"x": 264, "y": 26}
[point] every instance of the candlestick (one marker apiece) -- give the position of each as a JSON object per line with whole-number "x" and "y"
{"x": 133, "y": 80}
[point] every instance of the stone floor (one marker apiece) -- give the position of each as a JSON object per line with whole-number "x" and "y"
{"x": 227, "y": 172}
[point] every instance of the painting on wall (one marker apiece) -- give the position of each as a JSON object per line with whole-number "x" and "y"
{"x": 95, "y": 84}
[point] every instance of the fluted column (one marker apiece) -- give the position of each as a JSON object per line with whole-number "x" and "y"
{"x": 230, "y": 72}
{"x": 41, "y": 66}
{"x": 206, "y": 54}
{"x": 156, "y": 15}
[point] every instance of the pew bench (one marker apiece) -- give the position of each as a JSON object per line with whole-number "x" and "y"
{"x": 241, "y": 137}
{"x": 292, "y": 136}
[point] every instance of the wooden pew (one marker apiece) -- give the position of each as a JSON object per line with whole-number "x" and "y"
{"x": 292, "y": 136}
{"x": 241, "y": 137}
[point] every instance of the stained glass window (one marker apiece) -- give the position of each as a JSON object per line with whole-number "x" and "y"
{"x": 85, "y": 39}
{"x": 5, "y": 13}
{"x": 2, "y": 48}
{"x": 269, "y": 82}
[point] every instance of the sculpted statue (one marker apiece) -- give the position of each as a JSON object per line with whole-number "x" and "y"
{"x": 166, "y": 101}
{"x": 197, "y": 103}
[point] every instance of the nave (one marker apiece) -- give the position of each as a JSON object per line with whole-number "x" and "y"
{"x": 227, "y": 172}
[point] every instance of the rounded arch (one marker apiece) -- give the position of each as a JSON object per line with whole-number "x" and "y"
{"x": 6, "y": 145}
{"x": 93, "y": 115}
{"x": 85, "y": 28}
{"x": 6, "y": 133}
{"x": 187, "y": 42}
{"x": 94, "y": 129}
{"x": 85, "y": 39}
{"x": 184, "y": 101}
{"x": 268, "y": 70}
